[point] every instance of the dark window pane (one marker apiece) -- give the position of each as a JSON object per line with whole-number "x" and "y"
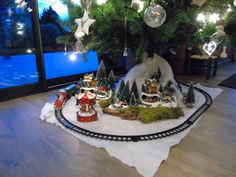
{"x": 17, "y": 58}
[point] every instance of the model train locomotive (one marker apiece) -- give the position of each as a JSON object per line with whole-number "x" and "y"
{"x": 64, "y": 94}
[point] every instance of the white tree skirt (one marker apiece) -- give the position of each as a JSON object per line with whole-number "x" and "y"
{"x": 145, "y": 156}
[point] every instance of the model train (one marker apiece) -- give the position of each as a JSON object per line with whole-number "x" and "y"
{"x": 64, "y": 94}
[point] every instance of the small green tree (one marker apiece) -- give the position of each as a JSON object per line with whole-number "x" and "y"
{"x": 134, "y": 90}
{"x": 143, "y": 88}
{"x": 161, "y": 88}
{"x": 101, "y": 75}
{"x": 111, "y": 79}
{"x": 122, "y": 84}
{"x": 190, "y": 95}
{"x": 125, "y": 92}
{"x": 168, "y": 87}
{"x": 133, "y": 101}
{"x": 155, "y": 76}
{"x": 158, "y": 74}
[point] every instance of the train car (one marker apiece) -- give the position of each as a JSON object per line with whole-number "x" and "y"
{"x": 71, "y": 90}
{"x": 62, "y": 97}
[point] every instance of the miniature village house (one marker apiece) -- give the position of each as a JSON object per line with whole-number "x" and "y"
{"x": 152, "y": 86}
{"x": 86, "y": 102}
{"x": 89, "y": 80}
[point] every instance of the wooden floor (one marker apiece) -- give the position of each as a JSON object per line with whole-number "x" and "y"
{"x": 32, "y": 148}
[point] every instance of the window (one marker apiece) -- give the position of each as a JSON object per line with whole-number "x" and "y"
{"x": 17, "y": 51}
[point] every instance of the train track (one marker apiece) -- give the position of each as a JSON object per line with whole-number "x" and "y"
{"x": 146, "y": 137}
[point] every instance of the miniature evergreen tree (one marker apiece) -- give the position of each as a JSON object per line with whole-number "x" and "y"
{"x": 161, "y": 88}
{"x": 133, "y": 101}
{"x": 101, "y": 74}
{"x": 112, "y": 99}
{"x": 125, "y": 92}
{"x": 155, "y": 76}
{"x": 168, "y": 87}
{"x": 158, "y": 73}
{"x": 111, "y": 79}
{"x": 122, "y": 84}
{"x": 143, "y": 88}
{"x": 190, "y": 95}
{"x": 134, "y": 90}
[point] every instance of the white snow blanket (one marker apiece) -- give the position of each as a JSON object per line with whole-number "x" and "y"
{"x": 145, "y": 156}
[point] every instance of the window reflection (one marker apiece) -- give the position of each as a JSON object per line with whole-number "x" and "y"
{"x": 60, "y": 58}
{"x": 17, "y": 61}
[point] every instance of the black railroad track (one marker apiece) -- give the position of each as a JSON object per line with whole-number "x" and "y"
{"x": 146, "y": 137}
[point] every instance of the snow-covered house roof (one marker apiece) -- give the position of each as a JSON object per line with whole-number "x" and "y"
{"x": 86, "y": 95}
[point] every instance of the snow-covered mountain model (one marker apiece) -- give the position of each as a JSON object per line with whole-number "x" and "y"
{"x": 148, "y": 68}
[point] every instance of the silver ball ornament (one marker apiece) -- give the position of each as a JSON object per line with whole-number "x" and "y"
{"x": 154, "y": 15}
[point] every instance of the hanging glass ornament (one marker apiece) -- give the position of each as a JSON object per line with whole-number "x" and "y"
{"x": 125, "y": 53}
{"x": 65, "y": 50}
{"x": 154, "y": 15}
{"x": 79, "y": 47}
{"x": 82, "y": 29}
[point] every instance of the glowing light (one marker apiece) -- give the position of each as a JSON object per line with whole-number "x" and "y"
{"x": 18, "y": 1}
{"x": 76, "y": 2}
{"x": 210, "y": 47}
{"x": 20, "y": 28}
{"x": 229, "y": 8}
{"x": 138, "y": 5}
{"x": 201, "y": 18}
{"x": 29, "y": 9}
{"x": 73, "y": 57}
{"x": 20, "y": 32}
{"x": 214, "y": 17}
{"x": 234, "y": 2}
{"x": 101, "y": 2}
{"x": 29, "y": 51}
{"x": 21, "y": 3}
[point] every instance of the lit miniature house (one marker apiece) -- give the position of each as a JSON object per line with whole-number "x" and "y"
{"x": 86, "y": 101}
{"x": 89, "y": 80}
{"x": 153, "y": 94}
{"x": 150, "y": 94}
